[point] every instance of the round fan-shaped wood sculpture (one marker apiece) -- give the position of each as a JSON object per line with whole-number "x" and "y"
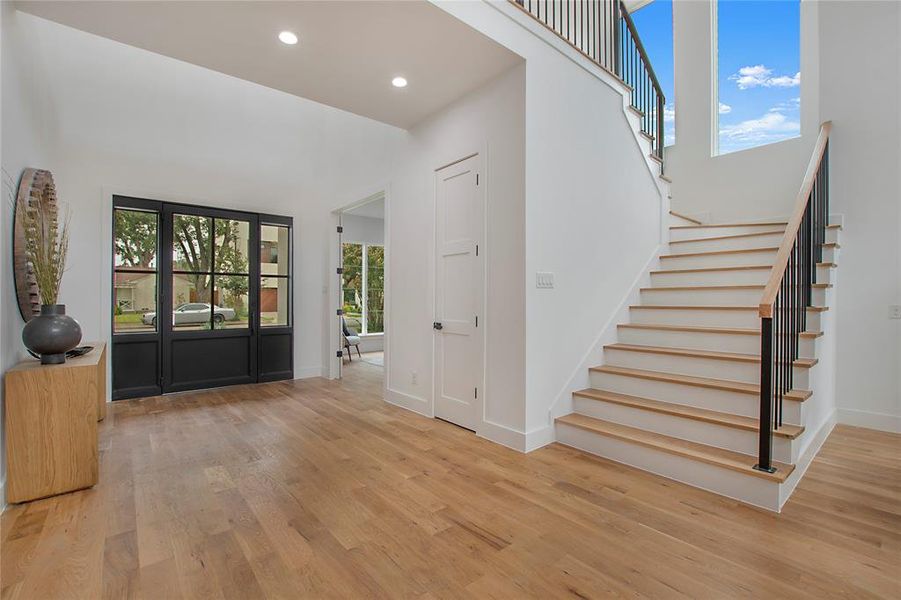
{"x": 36, "y": 192}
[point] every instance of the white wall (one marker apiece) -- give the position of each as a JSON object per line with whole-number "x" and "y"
{"x": 860, "y": 76}
{"x": 120, "y": 119}
{"x": 24, "y": 144}
{"x": 593, "y": 210}
{"x": 759, "y": 183}
{"x": 489, "y": 121}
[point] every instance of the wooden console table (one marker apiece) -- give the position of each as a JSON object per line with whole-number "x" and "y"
{"x": 51, "y": 425}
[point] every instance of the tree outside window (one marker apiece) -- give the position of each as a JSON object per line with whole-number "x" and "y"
{"x": 363, "y": 287}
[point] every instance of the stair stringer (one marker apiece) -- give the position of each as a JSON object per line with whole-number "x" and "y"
{"x": 563, "y": 402}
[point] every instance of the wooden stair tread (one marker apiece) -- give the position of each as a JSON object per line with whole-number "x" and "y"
{"x": 688, "y": 412}
{"x": 707, "y": 269}
{"x": 727, "y": 237}
{"x": 713, "y": 225}
{"x": 704, "y": 382}
{"x": 731, "y": 268}
{"x": 702, "y": 329}
{"x": 719, "y": 457}
{"x": 670, "y": 288}
{"x": 715, "y": 252}
{"x": 683, "y": 288}
{"x": 681, "y": 216}
{"x": 701, "y": 307}
{"x": 804, "y": 363}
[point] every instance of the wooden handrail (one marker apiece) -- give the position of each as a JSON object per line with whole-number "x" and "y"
{"x": 794, "y": 223}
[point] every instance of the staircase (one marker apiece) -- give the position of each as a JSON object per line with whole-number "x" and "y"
{"x": 679, "y": 393}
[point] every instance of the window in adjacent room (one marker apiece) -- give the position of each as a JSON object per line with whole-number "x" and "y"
{"x": 362, "y": 288}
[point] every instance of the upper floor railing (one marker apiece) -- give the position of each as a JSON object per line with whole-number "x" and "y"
{"x": 789, "y": 293}
{"x": 603, "y": 31}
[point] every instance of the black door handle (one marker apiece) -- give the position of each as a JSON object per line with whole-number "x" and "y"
{"x": 437, "y": 325}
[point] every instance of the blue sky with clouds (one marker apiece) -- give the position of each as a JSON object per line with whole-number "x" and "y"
{"x": 759, "y": 68}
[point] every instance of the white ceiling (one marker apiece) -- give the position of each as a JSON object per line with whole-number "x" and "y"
{"x": 348, "y": 52}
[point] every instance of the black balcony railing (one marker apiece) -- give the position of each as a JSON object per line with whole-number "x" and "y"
{"x": 603, "y": 31}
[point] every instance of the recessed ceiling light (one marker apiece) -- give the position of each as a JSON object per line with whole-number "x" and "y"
{"x": 399, "y": 82}
{"x": 287, "y": 37}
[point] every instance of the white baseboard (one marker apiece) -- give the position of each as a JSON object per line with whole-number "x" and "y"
{"x": 870, "y": 420}
{"x": 308, "y": 372}
{"x": 515, "y": 439}
{"x": 408, "y": 401}
{"x": 540, "y": 437}
{"x": 503, "y": 435}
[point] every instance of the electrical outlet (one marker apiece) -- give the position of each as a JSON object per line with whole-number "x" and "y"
{"x": 894, "y": 311}
{"x": 544, "y": 280}
{"x": 413, "y": 376}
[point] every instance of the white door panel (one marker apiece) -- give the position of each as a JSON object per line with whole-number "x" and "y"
{"x": 458, "y": 293}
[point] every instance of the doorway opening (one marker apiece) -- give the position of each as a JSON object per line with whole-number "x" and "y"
{"x": 362, "y": 260}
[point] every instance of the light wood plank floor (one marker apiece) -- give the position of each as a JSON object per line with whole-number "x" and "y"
{"x": 319, "y": 489}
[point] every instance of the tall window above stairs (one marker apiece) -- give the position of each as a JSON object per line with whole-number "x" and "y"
{"x": 654, "y": 23}
{"x": 758, "y": 99}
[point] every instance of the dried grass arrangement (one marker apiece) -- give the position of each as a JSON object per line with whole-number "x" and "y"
{"x": 46, "y": 241}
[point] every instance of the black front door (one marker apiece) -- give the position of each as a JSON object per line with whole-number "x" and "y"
{"x": 208, "y": 301}
{"x": 212, "y": 305}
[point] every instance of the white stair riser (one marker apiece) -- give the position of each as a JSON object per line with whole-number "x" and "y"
{"x": 730, "y": 438}
{"x": 712, "y": 399}
{"x": 708, "y": 318}
{"x": 747, "y": 372}
{"x": 731, "y": 277}
{"x": 694, "y": 233}
{"x": 715, "y": 297}
{"x": 699, "y": 340}
{"x": 773, "y": 239}
{"x": 704, "y": 261}
{"x": 737, "y": 243}
{"x": 753, "y": 490}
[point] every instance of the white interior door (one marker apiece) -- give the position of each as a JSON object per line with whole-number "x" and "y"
{"x": 459, "y": 293}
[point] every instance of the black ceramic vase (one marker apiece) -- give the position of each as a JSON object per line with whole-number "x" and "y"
{"x": 52, "y": 334}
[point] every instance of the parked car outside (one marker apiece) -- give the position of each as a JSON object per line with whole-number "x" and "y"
{"x": 193, "y": 313}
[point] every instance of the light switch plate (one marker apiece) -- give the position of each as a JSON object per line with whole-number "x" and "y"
{"x": 544, "y": 280}
{"x": 894, "y": 311}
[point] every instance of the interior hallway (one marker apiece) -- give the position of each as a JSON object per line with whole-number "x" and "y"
{"x": 314, "y": 488}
